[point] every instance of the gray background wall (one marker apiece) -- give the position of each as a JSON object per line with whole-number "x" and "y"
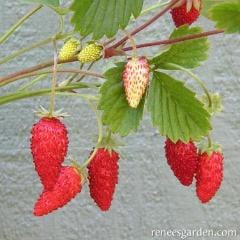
{"x": 148, "y": 196}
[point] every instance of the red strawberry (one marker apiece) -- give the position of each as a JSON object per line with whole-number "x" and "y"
{"x": 135, "y": 79}
{"x": 103, "y": 177}
{"x": 67, "y": 187}
{"x": 182, "y": 158}
{"x": 49, "y": 143}
{"x": 209, "y": 175}
{"x": 182, "y": 16}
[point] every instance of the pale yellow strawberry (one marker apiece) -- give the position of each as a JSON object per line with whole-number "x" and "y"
{"x": 69, "y": 49}
{"x": 136, "y": 80}
{"x": 91, "y": 53}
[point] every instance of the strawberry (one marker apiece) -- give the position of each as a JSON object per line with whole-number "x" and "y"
{"x": 136, "y": 80}
{"x": 182, "y": 158}
{"x": 187, "y": 13}
{"x": 91, "y": 53}
{"x": 66, "y": 188}
{"x": 49, "y": 144}
{"x": 69, "y": 49}
{"x": 209, "y": 175}
{"x": 103, "y": 177}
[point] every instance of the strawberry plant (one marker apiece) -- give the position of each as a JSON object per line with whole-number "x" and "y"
{"x": 134, "y": 86}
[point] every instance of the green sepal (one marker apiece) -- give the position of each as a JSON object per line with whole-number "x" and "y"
{"x": 216, "y": 100}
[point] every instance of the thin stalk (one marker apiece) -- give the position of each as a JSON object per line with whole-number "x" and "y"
{"x": 133, "y": 42}
{"x": 54, "y": 80}
{"x": 100, "y": 134}
{"x": 31, "y": 74}
{"x": 70, "y": 78}
{"x": 176, "y": 40}
{"x": 88, "y": 68}
{"x": 156, "y": 6}
{"x": 46, "y": 91}
{"x": 84, "y": 96}
{"x": 209, "y": 141}
{"x": 31, "y": 83}
{"x": 31, "y": 47}
{"x": 23, "y": 50}
{"x": 109, "y": 135}
{"x": 196, "y": 78}
{"x": 61, "y": 24}
{"x": 18, "y": 24}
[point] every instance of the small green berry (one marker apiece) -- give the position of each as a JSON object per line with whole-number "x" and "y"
{"x": 69, "y": 49}
{"x": 91, "y": 53}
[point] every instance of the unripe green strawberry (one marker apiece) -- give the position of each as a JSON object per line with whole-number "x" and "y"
{"x": 135, "y": 79}
{"x": 69, "y": 49}
{"x": 91, "y": 53}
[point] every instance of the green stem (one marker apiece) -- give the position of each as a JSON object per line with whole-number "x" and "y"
{"x": 31, "y": 47}
{"x": 196, "y": 78}
{"x": 84, "y": 96}
{"x": 81, "y": 67}
{"x": 70, "y": 79}
{"x": 157, "y": 5}
{"x": 18, "y": 23}
{"x": 23, "y": 50}
{"x": 54, "y": 80}
{"x": 109, "y": 135}
{"x": 133, "y": 42}
{"x": 209, "y": 141}
{"x": 31, "y": 74}
{"x": 29, "y": 84}
{"x": 88, "y": 68}
{"x": 46, "y": 91}
{"x": 61, "y": 24}
{"x": 100, "y": 134}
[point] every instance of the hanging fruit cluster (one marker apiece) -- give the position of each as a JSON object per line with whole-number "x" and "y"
{"x": 49, "y": 144}
{"x": 49, "y": 141}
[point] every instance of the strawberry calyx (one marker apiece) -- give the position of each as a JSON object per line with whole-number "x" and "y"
{"x": 110, "y": 52}
{"x": 189, "y": 4}
{"x": 216, "y": 106}
{"x": 197, "y": 4}
{"x": 44, "y": 113}
{"x": 211, "y": 149}
{"x": 109, "y": 143}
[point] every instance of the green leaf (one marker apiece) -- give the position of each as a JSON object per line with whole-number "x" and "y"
{"x": 117, "y": 114}
{"x": 50, "y": 3}
{"x": 207, "y": 4}
{"x": 188, "y": 54}
{"x": 227, "y": 16}
{"x": 175, "y": 110}
{"x": 103, "y": 17}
